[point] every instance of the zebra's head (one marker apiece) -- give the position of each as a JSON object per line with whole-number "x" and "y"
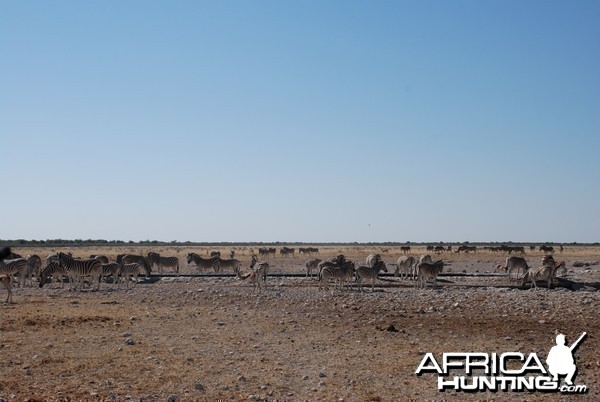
{"x": 382, "y": 266}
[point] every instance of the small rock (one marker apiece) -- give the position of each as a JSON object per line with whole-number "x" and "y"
{"x": 541, "y": 321}
{"x": 129, "y": 341}
{"x": 172, "y": 398}
{"x": 199, "y": 387}
{"x": 322, "y": 374}
{"x": 27, "y": 371}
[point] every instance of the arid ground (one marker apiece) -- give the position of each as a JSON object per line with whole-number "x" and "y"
{"x": 209, "y": 338}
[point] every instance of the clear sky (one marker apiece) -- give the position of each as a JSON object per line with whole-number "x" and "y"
{"x": 312, "y": 121}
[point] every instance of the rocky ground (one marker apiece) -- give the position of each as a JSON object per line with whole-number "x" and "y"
{"x": 209, "y": 338}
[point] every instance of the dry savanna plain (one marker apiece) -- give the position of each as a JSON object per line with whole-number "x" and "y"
{"x": 205, "y": 337}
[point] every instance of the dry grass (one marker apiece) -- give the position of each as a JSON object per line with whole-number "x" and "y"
{"x": 217, "y": 335}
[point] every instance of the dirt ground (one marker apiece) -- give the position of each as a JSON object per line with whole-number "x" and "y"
{"x": 214, "y": 338}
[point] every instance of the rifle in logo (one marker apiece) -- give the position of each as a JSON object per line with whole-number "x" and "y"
{"x": 560, "y": 359}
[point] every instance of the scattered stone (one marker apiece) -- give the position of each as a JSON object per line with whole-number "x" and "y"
{"x": 322, "y": 374}
{"x": 199, "y": 387}
{"x": 172, "y": 398}
{"x": 27, "y": 371}
{"x": 129, "y": 341}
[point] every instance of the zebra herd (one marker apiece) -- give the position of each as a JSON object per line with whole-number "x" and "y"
{"x": 128, "y": 267}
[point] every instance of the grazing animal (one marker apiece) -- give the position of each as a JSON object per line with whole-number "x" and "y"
{"x": 78, "y": 269}
{"x": 7, "y": 281}
{"x": 111, "y": 269}
{"x": 373, "y": 259}
{"x": 53, "y": 270}
{"x": 155, "y": 259}
{"x": 372, "y": 273}
{"x": 137, "y": 259}
{"x": 405, "y": 249}
{"x": 204, "y": 263}
{"x": 405, "y": 265}
{"x": 131, "y": 272}
{"x": 311, "y": 264}
{"x": 427, "y": 270}
{"x": 514, "y": 263}
{"x": 231, "y": 263}
{"x": 17, "y": 266}
{"x": 257, "y": 274}
{"x": 341, "y": 273}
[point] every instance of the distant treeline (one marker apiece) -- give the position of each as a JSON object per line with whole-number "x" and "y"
{"x": 108, "y": 243}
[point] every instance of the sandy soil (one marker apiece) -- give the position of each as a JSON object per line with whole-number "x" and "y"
{"x": 210, "y": 338}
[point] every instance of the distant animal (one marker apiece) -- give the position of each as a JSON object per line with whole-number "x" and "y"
{"x": 204, "y": 263}
{"x": 160, "y": 262}
{"x": 405, "y": 249}
{"x": 546, "y": 249}
{"x": 340, "y": 274}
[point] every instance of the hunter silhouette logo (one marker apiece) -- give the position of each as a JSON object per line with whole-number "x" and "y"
{"x": 560, "y": 359}
{"x": 482, "y": 372}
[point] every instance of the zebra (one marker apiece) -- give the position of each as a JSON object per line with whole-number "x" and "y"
{"x": 131, "y": 272}
{"x": 373, "y": 259}
{"x": 336, "y": 261}
{"x": 7, "y": 281}
{"x": 231, "y": 263}
{"x": 78, "y": 269}
{"x": 372, "y": 273}
{"x": 102, "y": 258}
{"x": 428, "y": 270}
{"x": 203, "y": 263}
{"x": 341, "y": 273}
{"x": 215, "y": 254}
{"x": 405, "y": 265}
{"x": 111, "y": 269}
{"x": 34, "y": 264}
{"x": 154, "y": 259}
{"x": 545, "y": 272}
{"x": 311, "y": 264}
{"x": 287, "y": 251}
{"x": 15, "y": 266}
{"x": 138, "y": 259}
{"x": 513, "y": 263}
{"x": 232, "y": 254}
{"x": 405, "y": 249}
{"x": 52, "y": 270}
{"x": 257, "y": 274}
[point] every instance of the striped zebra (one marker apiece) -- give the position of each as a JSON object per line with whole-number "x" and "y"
{"x": 340, "y": 274}
{"x": 514, "y": 263}
{"x": 78, "y": 269}
{"x": 17, "y": 266}
{"x": 34, "y": 264}
{"x": 545, "y": 272}
{"x": 130, "y": 272}
{"x": 428, "y": 270}
{"x": 405, "y": 249}
{"x": 155, "y": 259}
{"x": 137, "y": 259}
{"x": 405, "y": 266}
{"x": 257, "y": 274}
{"x": 311, "y": 264}
{"x": 231, "y": 263}
{"x": 102, "y": 258}
{"x": 336, "y": 261}
{"x": 111, "y": 269}
{"x": 203, "y": 263}
{"x": 371, "y": 273}
{"x": 52, "y": 270}
{"x": 373, "y": 259}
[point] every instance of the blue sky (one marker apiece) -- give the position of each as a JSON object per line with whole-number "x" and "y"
{"x": 311, "y": 121}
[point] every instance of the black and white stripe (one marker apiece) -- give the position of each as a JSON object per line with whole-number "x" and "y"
{"x": 203, "y": 263}
{"x": 340, "y": 274}
{"x": 156, "y": 260}
{"x": 366, "y": 272}
{"x": 77, "y": 270}
{"x": 53, "y": 270}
